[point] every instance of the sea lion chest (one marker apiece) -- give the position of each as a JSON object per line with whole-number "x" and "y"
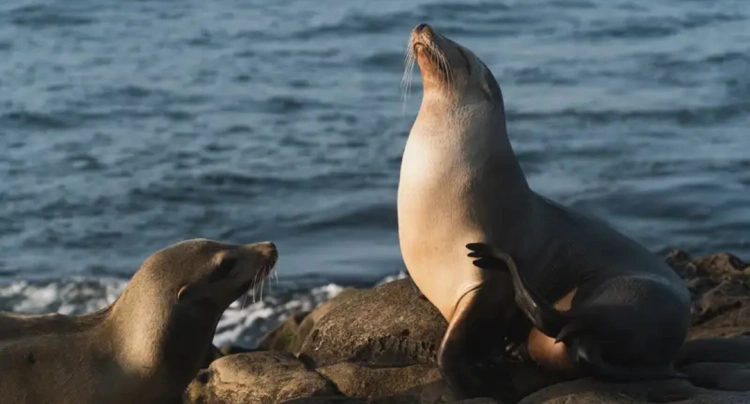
{"x": 438, "y": 214}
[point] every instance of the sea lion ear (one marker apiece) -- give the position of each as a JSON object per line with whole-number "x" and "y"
{"x": 183, "y": 293}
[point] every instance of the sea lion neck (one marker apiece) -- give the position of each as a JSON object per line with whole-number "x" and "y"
{"x": 475, "y": 131}
{"x": 151, "y": 342}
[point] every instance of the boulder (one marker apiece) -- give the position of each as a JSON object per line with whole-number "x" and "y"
{"x": 286, "y": 336}
{"x": 720, "y": 288}
{"x": 386, "y": 326}
{"x": 591, "y": 391}
{"x": 408, "y": 384}
{"x": 309, "y": 322}
{"x": 256, "y": 377}
{"x": 322, "y": 400}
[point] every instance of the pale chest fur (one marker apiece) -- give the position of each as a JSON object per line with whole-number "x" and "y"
{"x": 437, "y": 217}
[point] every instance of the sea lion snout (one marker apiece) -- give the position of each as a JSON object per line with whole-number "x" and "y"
{"x": 419, "y": 28}
{"x": 267, "y": 251}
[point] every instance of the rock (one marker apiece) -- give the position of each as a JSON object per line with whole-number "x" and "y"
{"x": 309, "y": 322}
{"x": 323, "y": 400}
{"x": 291, "y": 333}
{"x": 720, "y": 289}
{"x": 408, "y": 384}
{"x": 285, "y": 337}
{"x": 378, "y": 346}
{"x": 256, "y": 377}
{"x": 386, "y": 326}
{"x": 234, "y": 349}
{"x": 590, "y": 391}
{"x": 732, "y": 349}
{"x": 719, "y": 375}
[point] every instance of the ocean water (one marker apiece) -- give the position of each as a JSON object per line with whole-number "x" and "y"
{"x": 126, "y": 126}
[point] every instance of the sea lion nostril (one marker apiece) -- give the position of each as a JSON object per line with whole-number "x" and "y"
{"x": 421, "y": 27}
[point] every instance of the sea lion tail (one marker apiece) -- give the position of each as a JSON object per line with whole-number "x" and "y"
{"x": 544, "y": 317}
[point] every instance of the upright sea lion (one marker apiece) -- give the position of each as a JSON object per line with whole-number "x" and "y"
{"x": 146, "y": 346}
{"x": 461, "y": 183}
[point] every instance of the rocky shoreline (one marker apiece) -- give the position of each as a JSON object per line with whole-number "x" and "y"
{"x": 378, "y": 346}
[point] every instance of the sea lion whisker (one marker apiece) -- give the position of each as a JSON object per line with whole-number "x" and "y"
{"x": 406, "y": 79}
{"x": 244, "y": 301}
{"x": 438, "y": 56}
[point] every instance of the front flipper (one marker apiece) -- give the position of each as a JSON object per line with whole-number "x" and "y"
{"x": 474, "y": 333}
{"x": 542, "y": 314}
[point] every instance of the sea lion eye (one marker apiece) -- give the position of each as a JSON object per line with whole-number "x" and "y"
{"x": 224, "y": 267}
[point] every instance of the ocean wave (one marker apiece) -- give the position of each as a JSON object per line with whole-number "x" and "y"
{"x": 41, "y": 16}
{"x": 708, "y": 115}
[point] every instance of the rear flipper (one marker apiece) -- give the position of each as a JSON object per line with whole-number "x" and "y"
{"x": 573, "y": 328}
{"x": 543, "y": 315}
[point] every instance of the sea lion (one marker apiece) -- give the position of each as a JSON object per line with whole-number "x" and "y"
{"x": 461, "y": 183}
{"x": 621, "y": 323}
{"x": 146, "y": 346}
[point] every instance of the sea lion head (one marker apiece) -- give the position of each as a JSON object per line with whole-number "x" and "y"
{"x": 215, "y": 273}
{"x": 166, "y": 318}
{"x": 208, "y": 272}
{"x": 450, "y": 72}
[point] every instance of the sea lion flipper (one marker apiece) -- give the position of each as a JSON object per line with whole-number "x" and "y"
{"x": 542, "y": 314}
{"x": 472, "y": 333}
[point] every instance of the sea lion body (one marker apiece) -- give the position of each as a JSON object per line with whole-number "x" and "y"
{"x": 461, "y": 183}
{"x": 146, "y": 346}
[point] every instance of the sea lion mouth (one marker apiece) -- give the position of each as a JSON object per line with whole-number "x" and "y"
{"x": 437, "y": 59}
{"x": 425, "y": 47}
{"x": 265, "y": 269}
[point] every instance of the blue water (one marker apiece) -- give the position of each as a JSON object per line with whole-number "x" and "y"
{"x": 126, "y": 126}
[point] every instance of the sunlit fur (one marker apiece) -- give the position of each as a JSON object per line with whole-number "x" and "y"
{"x": 147, "y": 345}
{"x": 447, "y": 195}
